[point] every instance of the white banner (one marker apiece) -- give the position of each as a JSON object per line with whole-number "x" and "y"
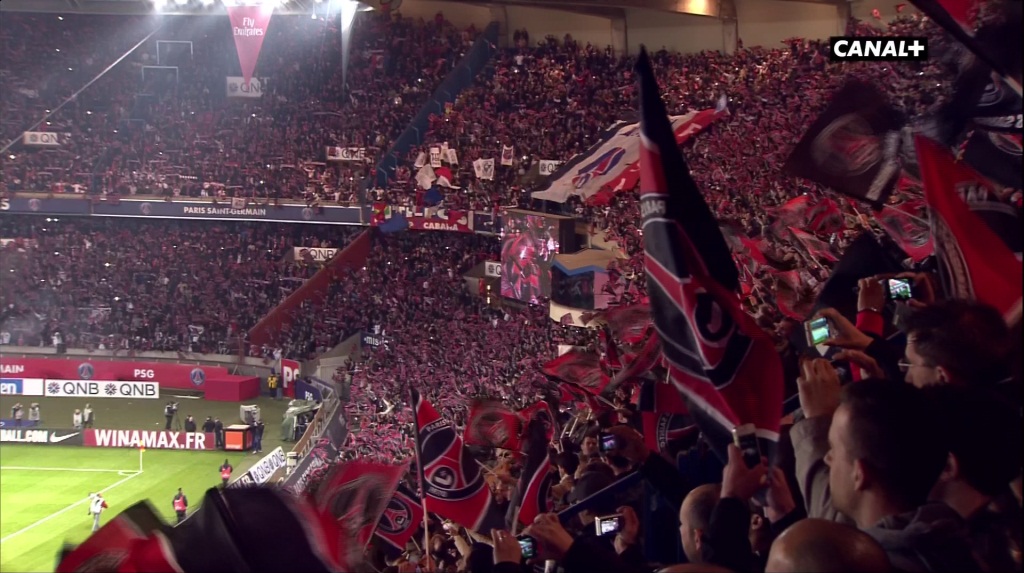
{"x": 101, "y": 389}
{"x": 236, "y": 87}
{"x": 40, "y": 139}
{"x": 335, "y": 153}
{"x": 425, "y": 177}
{"x": 238, "y": 202}
{"x": 614, "y": 161}
{"x": 318, "y": 254}
{"x": 453, "y": 157}
{"x": 507, "y": 153}
{"x": 435, "y": 157}
{"x": 261, "y": 471}
{"x": 421, "y": 160}
{"x": 484, "y": 169}
{"x": 492, "y": 268}
{"x": 548, "y": 166}
{"x": 21, "y": 386}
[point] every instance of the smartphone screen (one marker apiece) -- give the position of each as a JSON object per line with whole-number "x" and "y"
{"x": 900, "y": 289}
{"x": 528, "y": 548}
{"x": 746, "y": 440}
{"x": 818, "y": 331}
{"x": 609, "y": 525}
{"x": 607, "y": 442}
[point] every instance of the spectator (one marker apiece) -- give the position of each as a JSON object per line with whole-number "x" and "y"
{"x": 821, "y": 545}
{"x": 76, "y": 419}
{"x": 880, "y": 465}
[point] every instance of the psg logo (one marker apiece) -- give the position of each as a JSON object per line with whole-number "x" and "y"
{"x": 197, "y": 376}
{"x": 85, "y": 371}
{"x": 847, "y": 147}
{"x": 33, "y": 204}
{"x": 396, "y": 517}
{"x": 307, "y": 213}
{"x": 146, "y": 209}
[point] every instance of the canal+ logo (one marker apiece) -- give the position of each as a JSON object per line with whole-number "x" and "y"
{"x": 880, "y": 49}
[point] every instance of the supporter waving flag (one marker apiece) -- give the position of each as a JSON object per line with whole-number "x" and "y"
{"x": 452, "y": 482}
{"x": 536, "y": 479}
{"x": 580, "y": 368}
{"x": 975, "y": 263}
{"x": 400, "y": 520}
{"x": 629, "y": 324}
{"x": 724, "y": 365}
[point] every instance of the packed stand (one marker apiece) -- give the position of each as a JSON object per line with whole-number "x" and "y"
{"x": 129, "y": 285}
{"x": 143, "y": 130}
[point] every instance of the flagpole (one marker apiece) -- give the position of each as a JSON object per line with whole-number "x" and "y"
{"x": 423, "y": 485}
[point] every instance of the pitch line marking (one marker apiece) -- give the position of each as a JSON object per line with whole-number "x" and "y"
{"x": 34, "y": 469}
{"x": 66, "y": 509}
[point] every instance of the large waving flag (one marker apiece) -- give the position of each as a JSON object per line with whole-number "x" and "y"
{"x": 724, "y": 365}
{"x": 490, "y": 423}
{"x": 975, "y": 263}
{"x": 536, "y": 479}
{"x": 356, "y": 494}
{"x": 454, "y": 487}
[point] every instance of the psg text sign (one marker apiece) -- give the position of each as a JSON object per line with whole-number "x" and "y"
{"x": 880, "y": 49}
{"x": 101, "y": 389}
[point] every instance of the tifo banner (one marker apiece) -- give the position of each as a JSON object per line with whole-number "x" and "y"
{"x": 42, "y": 437}
{"x": 249, "y": 27}
{"x": 492, "y": 268}
{"x": 40, "y": 139}
{"x": 317, "y": 254}
{"x": 101, "y": 389}
{"x": 169, "y": 375}
{"x": 613, "y": 163}
{"x": 152, "y": 439}
{"x": 261, "y": 471}
{"x": 335, "y": 153}
{"x": 238, "y": 87}
{"x": 428, "y": 219}
{"x": 21, "y": 386}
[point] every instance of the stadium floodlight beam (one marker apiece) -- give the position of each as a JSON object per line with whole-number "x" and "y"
{"x": 348, "y": 14}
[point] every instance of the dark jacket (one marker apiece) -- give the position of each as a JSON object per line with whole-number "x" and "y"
{"x": 727, "y": 540}
{"x": 931, "y": 538}
{"x": 588, "y": 555}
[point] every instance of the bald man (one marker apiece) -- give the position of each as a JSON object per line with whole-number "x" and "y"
{"x": 826, "y": 546}
{"x": 695, "y": 518}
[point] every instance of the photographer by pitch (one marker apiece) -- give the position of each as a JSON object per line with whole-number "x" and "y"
{"x": 171, "y": 415}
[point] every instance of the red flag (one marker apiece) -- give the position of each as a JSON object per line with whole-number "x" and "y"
{"x": 663, "y": 415}
{"x": 907, "y": 224}
{"x": 974, "y": 262}
{"x": 490, "y": 423}
{"x": 249, "y": 26}
{"x": 454, "y": 487}
{"x": 629, "y": 324}
{"x": 400, "y": 520}
{"x": 540, "y": 411}
{"x": 815, "y": 246}
{"x": 964, "y": 12}
{"x": 357, "y": 493}
{"x": 639, "y": 364}
{"x": 580, "y": 368}
{"x": 718, "y": 358}
{"x": 539, "y": 480}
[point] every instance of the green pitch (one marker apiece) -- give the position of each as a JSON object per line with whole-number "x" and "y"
{"x": 43, "y": 489}
{"x": 43, "y": 493}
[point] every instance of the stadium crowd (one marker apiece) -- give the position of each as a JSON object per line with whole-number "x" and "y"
{"x": 870, "y": 476}
{"x": 128, "y": 285}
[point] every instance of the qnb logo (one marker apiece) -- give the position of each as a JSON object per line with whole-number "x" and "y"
{"x": 887, "y": 49}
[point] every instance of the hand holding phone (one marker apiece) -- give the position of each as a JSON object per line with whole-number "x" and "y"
{"x": 899, "y": 289}
{"x": 818, "y": 330}
{"x": 528, "y": 546}
{"x": 745, "y": 438}
{"x": 608, "y": 525}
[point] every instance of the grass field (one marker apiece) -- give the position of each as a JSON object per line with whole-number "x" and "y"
{"x": 43, "y": 489}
